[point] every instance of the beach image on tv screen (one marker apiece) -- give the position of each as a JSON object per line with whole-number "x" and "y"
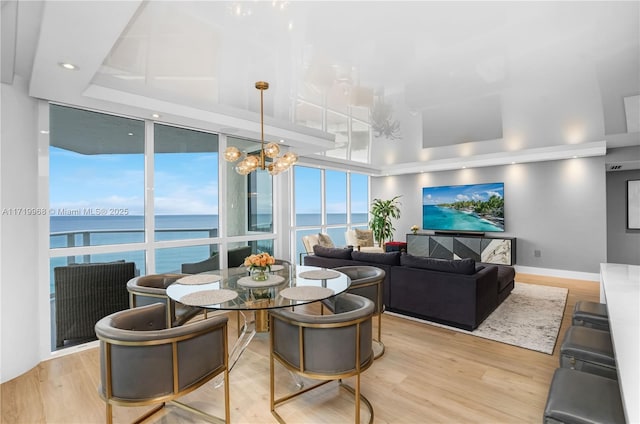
{"x": 474, "y": 207}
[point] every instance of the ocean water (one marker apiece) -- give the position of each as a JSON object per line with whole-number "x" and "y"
{"x": 104, "y": 230}
{"x": 440, "y": 218}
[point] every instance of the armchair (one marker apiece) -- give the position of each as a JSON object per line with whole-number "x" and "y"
{"x": 84, "y": 293}
{"x": 144, "y": 363}
{"x": 149, "y": 289}
{"x": 366, "y": 281}
{"x": 324, "y": 347}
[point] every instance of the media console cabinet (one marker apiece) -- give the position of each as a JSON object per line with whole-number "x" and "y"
{"x": 493, "y": 250}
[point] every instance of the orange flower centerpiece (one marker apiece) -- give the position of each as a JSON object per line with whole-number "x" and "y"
{"x": 259, "y": 264}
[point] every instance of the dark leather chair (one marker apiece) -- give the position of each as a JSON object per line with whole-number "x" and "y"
{"x": 84, "y": 293}
{"x": 366, "y": 281}
{"x": 144, "y": 363}
{"x": 591, "y": 314}
{"x": 578, "y": 397}
{"x": 324, "y": 347}
{"x": 148, "y": 289}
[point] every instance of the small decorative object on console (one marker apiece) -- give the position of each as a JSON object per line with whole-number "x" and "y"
{"x": 259, "y": 264}
{"x": 414, "y": 229}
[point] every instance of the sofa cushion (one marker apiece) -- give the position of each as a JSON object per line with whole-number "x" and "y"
{"x": 457, "y": 266}
{"x": 364, "y": 238}
{"x": 390, "y": 258}
{"x": 324, "y": 240}
{"x": 333, "y": 252}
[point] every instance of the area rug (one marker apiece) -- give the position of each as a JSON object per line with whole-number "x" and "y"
{"x": 530, "y": 318}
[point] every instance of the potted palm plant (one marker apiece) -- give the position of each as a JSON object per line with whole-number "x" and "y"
{"x": 382, "y": 212}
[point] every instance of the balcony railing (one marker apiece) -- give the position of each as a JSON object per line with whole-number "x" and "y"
{"x": 81, "y": 238}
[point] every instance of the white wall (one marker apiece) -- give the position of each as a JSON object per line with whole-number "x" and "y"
{"x": 19, "y": 311}
{"x": 556, "y": 207}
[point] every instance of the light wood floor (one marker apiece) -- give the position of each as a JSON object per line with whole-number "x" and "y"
{"x": 427, "y": 375}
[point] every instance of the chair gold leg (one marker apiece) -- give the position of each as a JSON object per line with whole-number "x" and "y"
{"x": 378, "y": 346}
{"x": 358, "y": 398}
{"x": 109, "y": 412}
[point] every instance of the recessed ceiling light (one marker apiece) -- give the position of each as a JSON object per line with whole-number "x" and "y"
{"x": 44, "y": 131}
{"x": 464, "y": 167}
{"x": 155, "y": 115}
{"x": 575, "y": 157}
{"x": 130, "y": 134}
{"x": 513, "y": 163}
{"x": 69, "y": 66}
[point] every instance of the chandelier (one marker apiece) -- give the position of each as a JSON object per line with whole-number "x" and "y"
{"x": 251, "y": 162}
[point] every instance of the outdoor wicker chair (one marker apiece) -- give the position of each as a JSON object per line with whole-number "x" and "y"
{"x": 84, "y": 293}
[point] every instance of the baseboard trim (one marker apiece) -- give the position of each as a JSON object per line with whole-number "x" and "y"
{"x": 560, "y": 273}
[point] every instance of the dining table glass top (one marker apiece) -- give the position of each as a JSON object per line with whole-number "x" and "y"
{"x": 234, "y": 289}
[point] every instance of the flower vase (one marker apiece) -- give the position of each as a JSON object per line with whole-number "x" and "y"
{"x": 259, "y": 273}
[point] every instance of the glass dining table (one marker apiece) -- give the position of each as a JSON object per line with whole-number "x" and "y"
{"x": 233, "y": 289}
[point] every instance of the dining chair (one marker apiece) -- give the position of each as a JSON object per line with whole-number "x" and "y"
{"x": 323, "y": 347}
{"x": 142, "y": 362}
{"x": 148, "y": 289}
{"x": 366, "y": 281}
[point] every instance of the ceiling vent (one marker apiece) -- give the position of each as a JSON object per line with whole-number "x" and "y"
{"x": 615, "y": 167}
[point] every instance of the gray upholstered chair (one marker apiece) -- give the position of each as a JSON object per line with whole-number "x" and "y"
{"x": 287, "y": 271}
{"x": 144, "y": 363}
{"x": 582, "y": 398}
{"x": 366, "y": 281}
{"x": 591, "y": 314}
{"x": 324, "y": 347}
{"x": 148, "y": 289}
{"x": 84, "y": 293}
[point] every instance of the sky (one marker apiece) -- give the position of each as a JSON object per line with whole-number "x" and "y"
{"x": 184, "y": 183}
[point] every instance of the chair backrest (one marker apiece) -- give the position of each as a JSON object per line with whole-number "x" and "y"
{"x": 309, "y": 241}
{"x": 287, "y": 271}
{"x": 148, "y": 289}
{"x": 210, "y": 264}
{"x": 235, "y": 256}
{"x": 366, "y": 281}
{"x": 84, "y": 293}
{"x": 325, "y": 345}
{"x": 350, "y": 238}
{"x": 139, "y": 355}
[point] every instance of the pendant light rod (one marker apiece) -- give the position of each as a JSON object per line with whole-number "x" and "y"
{"x": 252, "y": 162}
{"x": 262, "y": 85}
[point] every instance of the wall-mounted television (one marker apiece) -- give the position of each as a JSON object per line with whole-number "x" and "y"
{"x": 464, "y": 208}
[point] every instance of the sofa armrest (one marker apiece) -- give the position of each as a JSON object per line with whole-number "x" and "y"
{"x": 486, "y": 291}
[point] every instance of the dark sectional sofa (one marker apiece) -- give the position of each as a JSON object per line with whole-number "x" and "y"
{"x": 460, "y": 293}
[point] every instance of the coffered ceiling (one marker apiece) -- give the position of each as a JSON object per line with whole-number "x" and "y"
{"x": 486, "y": 73}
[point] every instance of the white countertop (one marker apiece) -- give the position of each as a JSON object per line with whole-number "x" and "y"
{"x": 621, "y": 287}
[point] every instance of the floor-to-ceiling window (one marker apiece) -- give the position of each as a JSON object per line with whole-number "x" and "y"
{"x": 328, "y": 201}
{"x": 96, "y": 196}
{"x": 124, "y": 189}
{"x": 185, "y": 195}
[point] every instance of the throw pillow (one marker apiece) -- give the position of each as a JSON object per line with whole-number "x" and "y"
{"x": 364, "y": 238}
{"x": 457, "y": 266}
{"x": 389, "y": 258}
{"x": 332, "y": 252}
{"x": 325, "y": 241}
